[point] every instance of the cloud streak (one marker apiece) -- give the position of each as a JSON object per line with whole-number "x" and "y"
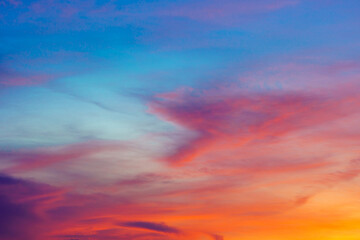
{"x": 157, "y": 227}
{"x": 30, "y": 160}
{"x": 235, "y": 120}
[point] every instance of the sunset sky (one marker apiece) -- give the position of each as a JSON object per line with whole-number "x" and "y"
{"x": 179, "y": 120}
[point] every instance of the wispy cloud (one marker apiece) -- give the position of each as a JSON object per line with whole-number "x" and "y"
{"x": 34, "y": 159}
{"x": 231, "y": 120}
{"x": 157, "y": 227}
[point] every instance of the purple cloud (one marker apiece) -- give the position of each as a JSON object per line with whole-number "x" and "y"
{"x": 20, "y": 204}
{"x": 158, "y": 227}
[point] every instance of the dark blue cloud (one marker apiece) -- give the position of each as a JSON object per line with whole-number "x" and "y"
{"x": 159, "y": 227}
{"x": 19, "y": 218}
{"x": 6, "y": 180}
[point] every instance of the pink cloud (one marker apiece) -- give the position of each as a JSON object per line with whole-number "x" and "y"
{"x": 26, "y": 81}
{"x": 221, "y": 121}
{"x": 295, "y": 74}
{"x": 28, "y": 160}
{"x": 216, "y": 10}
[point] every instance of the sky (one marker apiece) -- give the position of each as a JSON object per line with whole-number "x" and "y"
{"x": 179, "y": 120}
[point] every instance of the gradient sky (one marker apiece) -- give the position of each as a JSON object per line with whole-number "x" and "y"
{"x": 179, "y": 120}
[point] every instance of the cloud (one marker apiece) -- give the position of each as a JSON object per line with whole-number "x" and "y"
{"x": 217, "y": 11}
{"x": 25, "y": 81}
{"x": 17, "y": 220}
{"x": 158, "y": 227}
{"x": 300, "y": 73}
{"x": 20, "y": 204}
{"x": 350, "y": 172}
{"x": 28, "y": 160}
{"x": 31, "y": 210}
{"x": 213, "y": 9}
{"x": 27, "y": 191}
{"x": 226, "y": 119}
{"x": 10, "y": 78}
{"x": 113, "y": 234}
{"x": 143, "y": 179}
{"x": 217, "y": 237}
